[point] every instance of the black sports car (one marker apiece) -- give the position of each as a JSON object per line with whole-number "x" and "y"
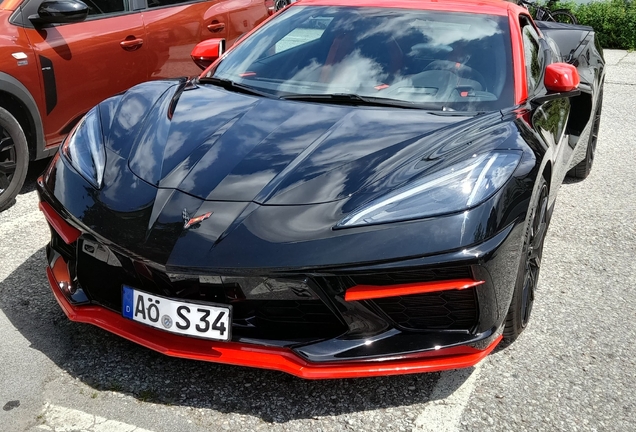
{"x": 356, "y": 188}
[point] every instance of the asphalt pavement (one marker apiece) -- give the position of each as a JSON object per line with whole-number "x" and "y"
{"x": 572, "y": 369}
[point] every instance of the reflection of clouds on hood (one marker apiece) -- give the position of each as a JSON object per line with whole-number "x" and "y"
{"x": 174, "y": 143}
{"x": 325, "y": 187}
{"x": 144, "y": 167}
{"x": 131, "y": 112}
{"x": 239, "y": 184}
{"x": 190, "y": 181}
{"x": 281, "y": 224}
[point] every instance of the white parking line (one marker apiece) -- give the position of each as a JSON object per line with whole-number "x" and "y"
{"x": 448, "y": 401}
{"x": 60, "y": 419}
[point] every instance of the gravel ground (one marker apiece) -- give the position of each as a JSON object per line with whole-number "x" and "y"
{"x": 574, "y": 368}
{"x": 571, "y": 370}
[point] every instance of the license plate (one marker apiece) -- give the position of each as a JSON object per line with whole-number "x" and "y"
{"x": 185, "y": 318}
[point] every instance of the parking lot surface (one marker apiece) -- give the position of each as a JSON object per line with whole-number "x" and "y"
{"x": 572, "y": 369}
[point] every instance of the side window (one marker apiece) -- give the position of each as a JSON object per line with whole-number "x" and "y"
{"x": 104, "y": 7}
{"x": 533, "y": 56}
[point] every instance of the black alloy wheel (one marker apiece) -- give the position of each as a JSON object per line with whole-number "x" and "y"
{"x": 14, "y": 158}
{"x": 583, "y": 168}
{"x": 530, "y": 265}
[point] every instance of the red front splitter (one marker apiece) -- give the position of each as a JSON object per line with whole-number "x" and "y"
{"x": 280, "y": 359}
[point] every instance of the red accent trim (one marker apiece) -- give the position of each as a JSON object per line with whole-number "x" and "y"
{"x": 490, "y": 7}
{"x": 518, "y": 58}
{"x": 368, "y": 292}
{"x": 68, "y": 233}
{"x": 280, "y": 359}
{"x": 381, "y": 87}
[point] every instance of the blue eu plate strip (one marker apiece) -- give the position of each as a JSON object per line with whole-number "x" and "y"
{"x": 127, "y": 302}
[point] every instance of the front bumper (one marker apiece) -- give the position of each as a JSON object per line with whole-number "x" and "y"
{"x": 366, "y": 337}
{"x": 274, "y": 358}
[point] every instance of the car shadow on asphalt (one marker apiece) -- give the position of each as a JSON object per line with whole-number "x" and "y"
{"x": 107, "y": 362}
{"x": 36, "y": 169}
{"x": 30, "y": 182}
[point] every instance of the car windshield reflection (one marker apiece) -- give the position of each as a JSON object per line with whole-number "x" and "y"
{"x": 438, "y": 60}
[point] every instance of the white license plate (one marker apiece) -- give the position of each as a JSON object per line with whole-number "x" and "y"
{"x": 190, "y": 319}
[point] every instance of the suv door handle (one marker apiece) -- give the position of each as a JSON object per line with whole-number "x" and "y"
{"x": 216, "y": 27}
{"x": 131, "y": 44}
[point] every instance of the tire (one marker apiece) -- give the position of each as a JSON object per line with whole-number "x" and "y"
{"x": 582, "y": 169}
{"x": 562, "y": 16}
{"x": 280, "y": 4}
{"x": 529, "y": 266}
{"x": 14, "y": 158}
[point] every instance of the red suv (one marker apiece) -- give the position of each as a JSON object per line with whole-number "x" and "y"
{"x": 61, "y": 57}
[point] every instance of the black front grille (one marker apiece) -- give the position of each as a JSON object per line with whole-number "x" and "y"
{"x": 279, "y": 311}
{"x": 67, "y": 251}
{"x": 445, "y": 310}
{"x": 298, "y": 319}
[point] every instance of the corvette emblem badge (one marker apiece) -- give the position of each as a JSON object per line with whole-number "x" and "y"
{"x": 190, "y": 221}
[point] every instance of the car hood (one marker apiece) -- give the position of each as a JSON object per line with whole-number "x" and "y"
{"x": 218, "y": 145}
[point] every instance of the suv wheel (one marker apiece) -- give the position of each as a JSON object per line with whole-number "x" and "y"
{"x": 14, "y": 158}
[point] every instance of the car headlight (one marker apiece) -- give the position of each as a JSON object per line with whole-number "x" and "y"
{"x": 84, "y": 148}
{"x": 450, "y": 190}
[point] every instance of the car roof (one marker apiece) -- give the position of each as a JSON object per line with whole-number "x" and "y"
{"x": 489, "y": 7}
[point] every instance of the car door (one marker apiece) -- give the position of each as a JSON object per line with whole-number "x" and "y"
{"x": 550, "y": 118}
{"x": 244, "y": 15}
{"x": 85, "y": 62}
{"x": 174, "y": 27}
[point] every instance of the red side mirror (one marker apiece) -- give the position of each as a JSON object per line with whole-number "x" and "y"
{"x": 561, "y": 77}
{"x": 207, "y": 52}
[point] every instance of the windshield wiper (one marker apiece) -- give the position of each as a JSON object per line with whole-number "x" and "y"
{"x": 233, "y": 86}
{"x": 355, "y": 99}
{"x": 344, "y": 98}
{"x": 447, "y": 113}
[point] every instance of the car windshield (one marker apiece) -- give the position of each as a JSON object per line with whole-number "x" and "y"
{"x": 438, "y": 60}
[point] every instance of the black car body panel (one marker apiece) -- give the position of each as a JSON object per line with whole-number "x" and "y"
{"x": 154, "y": 218}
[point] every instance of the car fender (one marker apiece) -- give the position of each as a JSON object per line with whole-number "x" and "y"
{"x": 11, "y": 85}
